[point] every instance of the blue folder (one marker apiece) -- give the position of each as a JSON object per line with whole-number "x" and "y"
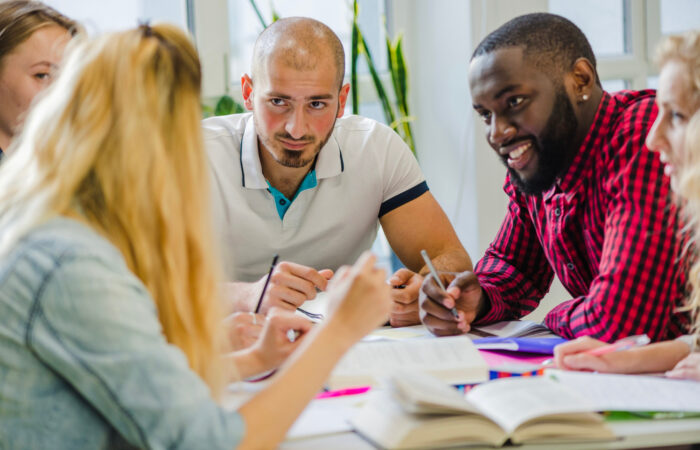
{"x": 543, "y": 345}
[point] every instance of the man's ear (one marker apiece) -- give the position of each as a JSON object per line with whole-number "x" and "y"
{"x": 342, "y": 99}
{"x": 583, "y": 80}
{"x": 247, "y": 91}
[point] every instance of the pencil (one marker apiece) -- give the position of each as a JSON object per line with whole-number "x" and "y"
{"x": 435, "y": 275}
{"x": 267, "y": 281}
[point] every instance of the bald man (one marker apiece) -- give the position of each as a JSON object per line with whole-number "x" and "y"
{"x": 295, "y": 178}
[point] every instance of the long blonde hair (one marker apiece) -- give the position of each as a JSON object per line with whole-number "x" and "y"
{"x": 685, "y": 48}
{"x": 117, "y": 140}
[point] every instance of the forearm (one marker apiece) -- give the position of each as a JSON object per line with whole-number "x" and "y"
{"x": 658, "y": 357}
{"x": 449, "y": 259}
{"x": 239, "y": 296}
{"x": 292, "y": 388}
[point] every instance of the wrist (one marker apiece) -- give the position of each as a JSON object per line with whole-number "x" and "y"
{"x": 250, "y": 362}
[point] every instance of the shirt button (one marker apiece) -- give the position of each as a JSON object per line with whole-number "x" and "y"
{"x": 283, "y": 202}
{"x": 557, "y": 212}
{"x": 570, "y": 266}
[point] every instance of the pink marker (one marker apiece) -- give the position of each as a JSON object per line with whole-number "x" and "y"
{"x": 622, "y": 344}
{"x": 343, "y": 392}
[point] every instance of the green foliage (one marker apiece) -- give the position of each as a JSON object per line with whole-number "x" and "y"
{"x": 396, "y": 114}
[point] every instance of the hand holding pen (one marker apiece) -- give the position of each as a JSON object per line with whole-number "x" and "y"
{"x": 587, "y": 353}
{"x": 449, "y": 310}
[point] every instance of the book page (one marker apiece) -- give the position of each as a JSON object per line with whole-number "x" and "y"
{"x": 609, "y": 392}
{"x": 455, "y": 353}
{"x": 511, "y": 402}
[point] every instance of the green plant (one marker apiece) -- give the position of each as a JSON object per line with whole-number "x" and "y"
{"x": 396, "y": 114}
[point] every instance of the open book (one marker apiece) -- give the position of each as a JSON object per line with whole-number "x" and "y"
{"x": 418, "y": 411}
{"x": 454, "y": 360}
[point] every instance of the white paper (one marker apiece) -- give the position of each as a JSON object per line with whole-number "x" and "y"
{"x": 608, "y": 392}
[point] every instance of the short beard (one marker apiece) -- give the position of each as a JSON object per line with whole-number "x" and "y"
{"x": 291, "y": 158}
{"x": 554, "y": 148}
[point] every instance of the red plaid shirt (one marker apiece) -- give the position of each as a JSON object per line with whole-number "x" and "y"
{"x": 609, "y": 230}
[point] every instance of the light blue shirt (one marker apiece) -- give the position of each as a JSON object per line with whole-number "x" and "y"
{"x": 83, "y": 360}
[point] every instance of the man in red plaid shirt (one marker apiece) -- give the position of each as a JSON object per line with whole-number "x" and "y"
{"x": 587, "y": 200}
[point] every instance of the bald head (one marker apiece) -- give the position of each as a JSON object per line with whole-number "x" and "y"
{"x": 300, "y": 43}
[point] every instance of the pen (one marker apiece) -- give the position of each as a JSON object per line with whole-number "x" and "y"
{"x": 267, "y": 281}
{"x": 621, "y": 344}
{"x": 434, "y": 273}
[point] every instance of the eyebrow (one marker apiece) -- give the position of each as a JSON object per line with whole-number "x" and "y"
{"x": 44, "y": 63}
{"x": 499, "y": 94}
{"x": 289, "y": 97}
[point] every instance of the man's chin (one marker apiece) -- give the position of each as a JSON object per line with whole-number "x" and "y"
{"x": 533, "y": 185}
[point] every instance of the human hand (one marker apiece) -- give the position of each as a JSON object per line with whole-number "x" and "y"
{"x": 572, "y": 356}
{"x": 463, "y": 293}
{"x": 273, "y": 345}
{"x": 243, "y": 329}
{"x": 404, "y": 311}
{"x": 687, "y": 368}
{"x": 291, "y": 285}
{"x": 359, "y": 299}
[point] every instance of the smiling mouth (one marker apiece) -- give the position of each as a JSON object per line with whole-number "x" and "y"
{"x": 520, "y": 155}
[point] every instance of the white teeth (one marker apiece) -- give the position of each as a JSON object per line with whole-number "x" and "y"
{"x": 518, "y": 152}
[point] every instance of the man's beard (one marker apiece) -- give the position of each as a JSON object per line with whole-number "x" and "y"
{"x": 292, "y": 158}
{"x": 554, "y": 148}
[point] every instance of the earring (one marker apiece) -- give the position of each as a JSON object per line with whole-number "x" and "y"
{"x": 584, "y": 97}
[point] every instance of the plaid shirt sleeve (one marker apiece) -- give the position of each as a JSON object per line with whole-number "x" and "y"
{"x": 637, "y": 283}
{"x": 514, "y": 273}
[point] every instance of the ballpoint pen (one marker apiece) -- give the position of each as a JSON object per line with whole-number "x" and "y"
{"x": 435, "y": 275}
{"x": 267, "y": 281}
{"x": 621, "y": 344}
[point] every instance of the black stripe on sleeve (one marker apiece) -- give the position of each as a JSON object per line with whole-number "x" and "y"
{"x": 403, "y": 198}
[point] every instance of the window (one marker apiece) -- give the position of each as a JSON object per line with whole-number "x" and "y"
{"x": 624, "y": 34}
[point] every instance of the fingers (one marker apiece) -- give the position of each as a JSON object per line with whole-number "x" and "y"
{"x": 409, "y": 293}
{"x": 404, "y": 314}
{"x": 573, "y": 347}
{"x": 401, "y": 276}
{"x": 292, "y": 284}
{"x": 326, "y": 273}
{"x": 687, "y": 368}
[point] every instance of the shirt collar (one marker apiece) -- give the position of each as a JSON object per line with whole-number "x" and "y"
{"x": 328, "y": 164}
{"x": 592, "y": 145}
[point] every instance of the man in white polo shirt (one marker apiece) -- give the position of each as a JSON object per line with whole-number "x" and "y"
{"x": 290, "y": 179}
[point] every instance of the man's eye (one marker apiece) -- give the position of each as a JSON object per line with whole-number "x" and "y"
{"x": 515, "y": 101}
{"x": 485, "y": 116}
{"x": 317, "y": 105}
{"x": 277, "y": 101}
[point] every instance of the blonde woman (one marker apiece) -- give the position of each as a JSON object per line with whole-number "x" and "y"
{"x": 110, "y": 330}
{"x": 676, "y": 135}
{"x": 32, "y": 38}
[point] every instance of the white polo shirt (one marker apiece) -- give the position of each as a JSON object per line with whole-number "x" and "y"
{"x": 364, "y": 171}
